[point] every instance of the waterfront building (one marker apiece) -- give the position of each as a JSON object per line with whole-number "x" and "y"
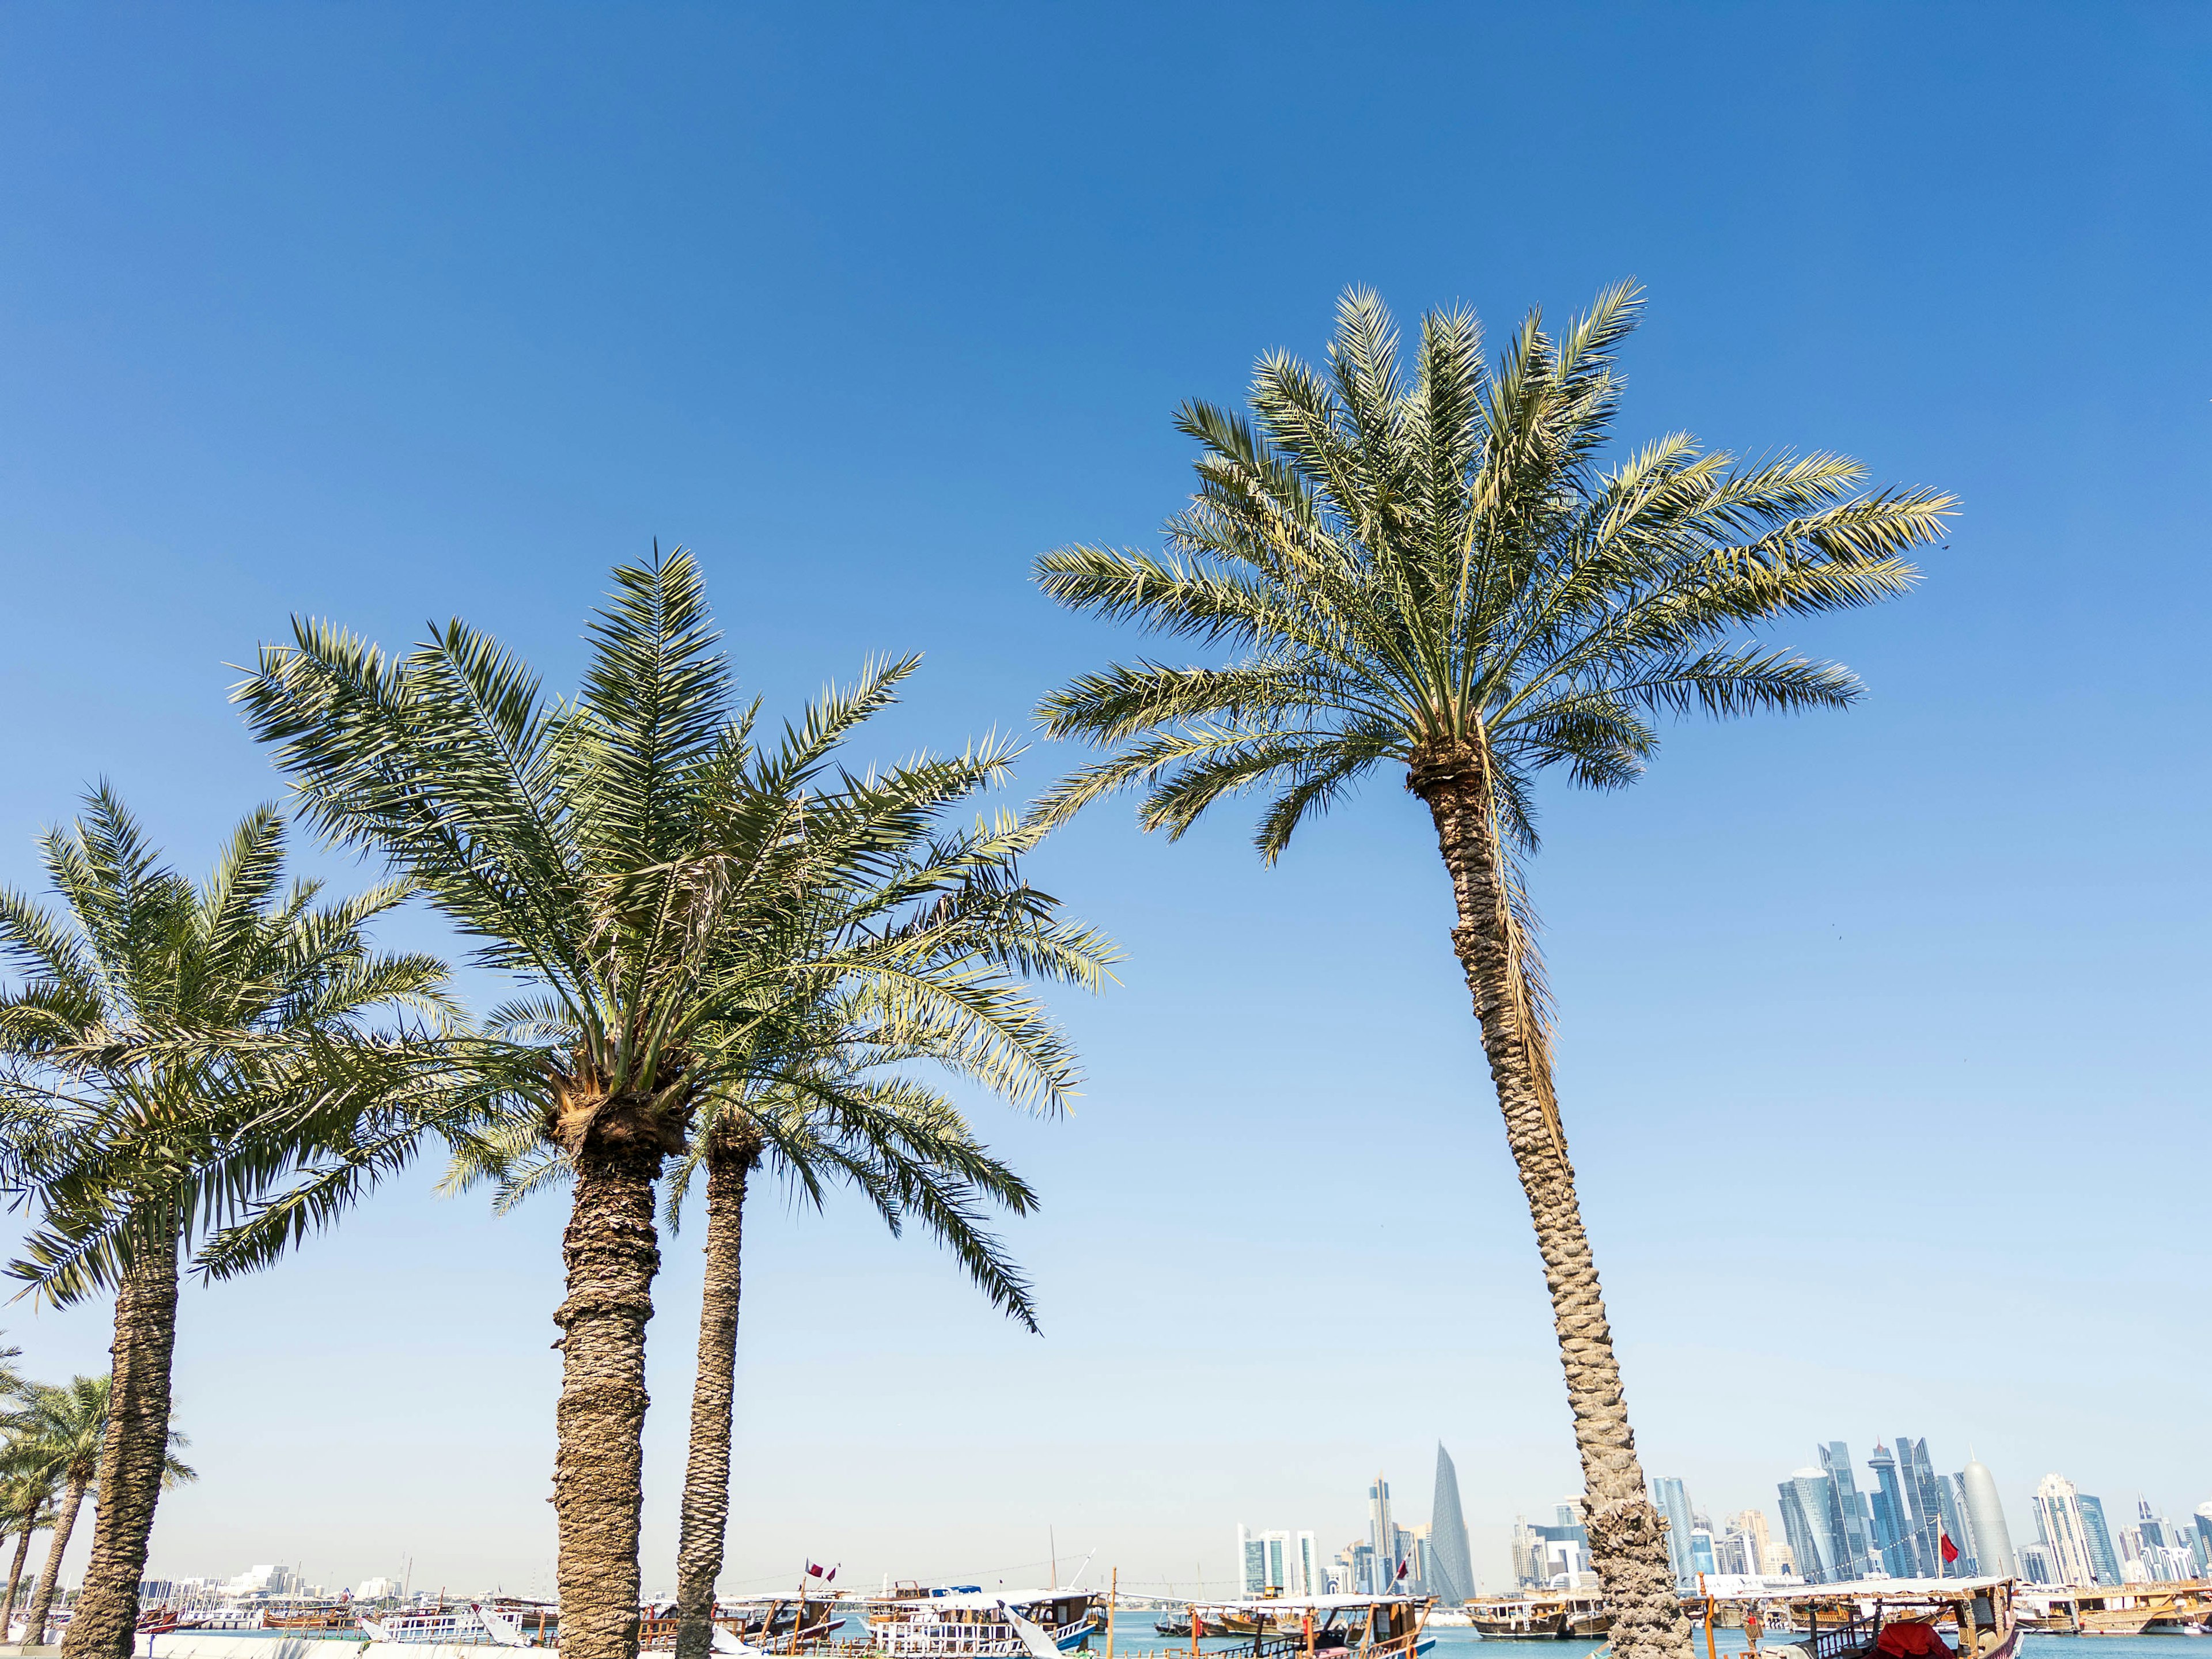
{"x": 2201, "y": 1528}
{"x": 1285, "y": 1562}
{"x": 1544, "y": 1555}
{"x": 1808, "y": 1505}
{"x": 1451, "y": 1564}
{"x": 1849, "y": 1515}
{"x": 2061, "y": 1530}
{"x": 1749, "y": 1526}
{"x": 1381, "y": 1537}
{"x": 1672, "y": 1498}
{"x": 2102, "y": 1556}
{"x": 1951, "y": 1506}
{"x": 1985, "y": 1522}
{"x": 1893, "y": 1519}
{"x": 1701, "y": 1552}
{"x": 2036, "y": 1565}
{"x": 1925, "y": 1498}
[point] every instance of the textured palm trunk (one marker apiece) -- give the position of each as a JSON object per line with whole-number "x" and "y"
{"x": 42, "y": 1599}
{"x": 612, "y": 1253}
{"x": 1628, "y": 1544}
{"x": 706, "y": 1520}
{"x": 131, "y": 1457}
{"x": 15, "y": 1580}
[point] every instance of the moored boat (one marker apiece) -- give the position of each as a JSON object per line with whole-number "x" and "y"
{"x": 1546, "y": 1615}
{"x": 965, "y": 1621}
{"x": 1303, "y": 1626}
{"x": 1880, "y": 1619}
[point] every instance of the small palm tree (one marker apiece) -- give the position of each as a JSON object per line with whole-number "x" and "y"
{"x": 26, "y": 1509}
{"x": 57, "y": 1437}
{"x": 1445, "y": 572}
{"x": 168, "y": 1055}
{"x": 612, "y": 852}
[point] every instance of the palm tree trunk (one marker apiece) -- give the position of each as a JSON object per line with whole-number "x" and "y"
{"x": 42, "y": 1599}
{"x": 611, "y": 1252}
{"x": 15, "y": 1580}
{"x": 132, "y": 1456}
{"x": 703, "y": 1534}
{"x": 1627, "y": 1543}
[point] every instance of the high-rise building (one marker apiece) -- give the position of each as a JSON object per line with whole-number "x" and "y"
{"x": 1750, "y": 1525}
{"x": 1985, "y": 1522}
{"x": 1285, "y": 1562}
{"x": 1808, "y": 1503}
{"x": 1702, "y": 1559}
{"x": 2201, "y": 1524}
{"x": 1958, "y": 1527}
{"x": 2102, "y": 1556}
{"x": 1848, "y": 1511}
{"x": 2036, "y": 1565}
{"x": 1382, "y": 1536}
{"x": 1925, "y": 1496}
{"x": 1893, "y": 1519}
{"x": 2061, "y": 1531}
{"x": 1672, "y": 1498}
{"x": 1451, "y": 1564}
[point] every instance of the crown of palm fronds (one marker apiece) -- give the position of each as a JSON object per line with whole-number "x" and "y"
{"x": 167, "y": 1053}
{"x": 1442, "y": 565}
{"x": 680, "y": 896}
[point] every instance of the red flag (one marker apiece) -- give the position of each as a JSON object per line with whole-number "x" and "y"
{"x": 1401, "y": 1569}
{"x": 830, "y": 1577}
{"x": 813, "y": 1571}
{"x": 1950, "y": 1549}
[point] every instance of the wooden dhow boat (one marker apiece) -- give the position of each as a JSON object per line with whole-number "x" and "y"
{"x": 1303, "y": 1626}
{"x": 1557, "y": 1615}
{"x": 965, "y": 1621}
{"x": 1872, "y": 1619}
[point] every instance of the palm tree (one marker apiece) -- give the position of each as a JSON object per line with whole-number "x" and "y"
{"x": 610, "y": 851}
{"x": 59, "y": 1435}
{"x": 1447, "y": 571}
{"x": 26, "y": 1509}
{"x": 168, "y": 1055}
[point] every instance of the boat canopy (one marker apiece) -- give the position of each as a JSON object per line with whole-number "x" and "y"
{"x": 1867, "y": 1589}
{"x": 1317, "y": 1603}
{"x": 978, "y": 1599}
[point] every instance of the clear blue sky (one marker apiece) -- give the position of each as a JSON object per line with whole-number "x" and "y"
{"x": 1882, "y": 1033}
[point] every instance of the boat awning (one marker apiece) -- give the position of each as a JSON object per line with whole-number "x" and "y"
{"x": 1867, "y": 1589}
{"x": 1302, "y": 1603}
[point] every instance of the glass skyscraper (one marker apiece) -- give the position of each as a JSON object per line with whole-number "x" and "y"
{"x": 1451, "y": 1563}
{"x": 1808, "y": 1503}
{"x": 1673, "y": 1499}
{"x": 1892, "y": 1518}
{"x": 1848, "y": 1514}
{"x": 2101, "y": 1555}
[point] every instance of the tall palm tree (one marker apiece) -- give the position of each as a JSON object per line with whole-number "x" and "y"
{"x": 26, "y": 1509}
{"x": 608, "y": 850}
{"x": 1446, "y": 571}
{"x": 167, "y": 1054}
{"x": 57, "y": 1437}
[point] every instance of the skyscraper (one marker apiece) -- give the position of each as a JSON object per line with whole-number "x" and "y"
{"x": 1924, "y": 1495}
{"x": 2058, "y": 1520}
{"x": 1451, "y": 1563}
{"x": 1808, "y": 1501}
{"x": 1848, "y": 1511}
{"x": 2102, "y": 1556}
{"x": 1951, "y": 1504}
{"x": 1750, "y": 1525}
{"x": 1893, "y": 1519}
{"x": 1382, "y": 1536}
{"x": 1673, "y": 1499}
{"x": 1985, "y": 1522}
